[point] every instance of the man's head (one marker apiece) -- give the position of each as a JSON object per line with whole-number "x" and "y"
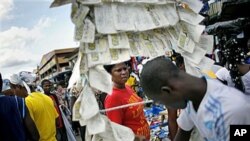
{"x": 18, "y": 90}
{"x": 161, "y": 80}
{"x": 46, "y": 85}
{"x": 23, "y": 83}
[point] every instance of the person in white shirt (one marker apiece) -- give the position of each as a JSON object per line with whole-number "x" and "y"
{"x": 236, "y": 73}
{"x": 208, "y": 105}
{"x": 224, "y": 75}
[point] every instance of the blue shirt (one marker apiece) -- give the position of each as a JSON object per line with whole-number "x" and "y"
{"x": 12, "y": 112}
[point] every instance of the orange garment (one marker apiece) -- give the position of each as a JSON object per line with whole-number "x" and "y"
{"x": 132, "y": 117}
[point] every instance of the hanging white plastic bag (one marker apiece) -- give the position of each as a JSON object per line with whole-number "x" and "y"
{"x": 118, "y": 41}
{"x": 104, "y": 19}
{"x": 104, "y": 84}
{"x": 88, "y": 31}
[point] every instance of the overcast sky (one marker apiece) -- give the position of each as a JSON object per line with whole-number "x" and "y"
{"x": 28, "y": 30}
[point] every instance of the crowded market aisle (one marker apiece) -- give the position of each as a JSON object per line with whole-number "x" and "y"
{"x": 144, "y": 70}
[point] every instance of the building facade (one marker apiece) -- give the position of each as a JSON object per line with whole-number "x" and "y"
{"x": 55, "y": 65}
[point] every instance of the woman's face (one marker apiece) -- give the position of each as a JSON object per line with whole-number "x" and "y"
{"x": 120, "y": 73}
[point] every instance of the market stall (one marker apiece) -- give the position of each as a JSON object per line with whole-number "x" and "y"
{"x": 113, "y": 31}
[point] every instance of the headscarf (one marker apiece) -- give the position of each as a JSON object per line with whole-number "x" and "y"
{"x": 24, "y": 78}
{"x": 6, "y": 84}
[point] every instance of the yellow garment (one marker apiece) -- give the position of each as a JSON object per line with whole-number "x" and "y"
{"x": 131, "y": 81}
{"x": 44, "y": 114}
{"x": 209, "y": 73}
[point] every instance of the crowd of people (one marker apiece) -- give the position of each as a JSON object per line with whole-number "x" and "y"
{"x": 209, "y": 105}
{"x": 197, "y": 108}
{"x": 29, "y": 114}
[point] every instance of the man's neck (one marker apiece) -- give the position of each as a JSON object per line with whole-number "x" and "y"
{"x": 199, "y": 92}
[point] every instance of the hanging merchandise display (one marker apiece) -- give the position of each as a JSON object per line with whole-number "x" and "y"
{"x": 113, "y": 31}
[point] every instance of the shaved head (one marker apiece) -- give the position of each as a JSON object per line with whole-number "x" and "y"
{"x": 163, "y": 82}
{"x": 157, "y": 73}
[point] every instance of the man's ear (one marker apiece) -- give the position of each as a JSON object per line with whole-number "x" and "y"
{"x": 166, "y": 89}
